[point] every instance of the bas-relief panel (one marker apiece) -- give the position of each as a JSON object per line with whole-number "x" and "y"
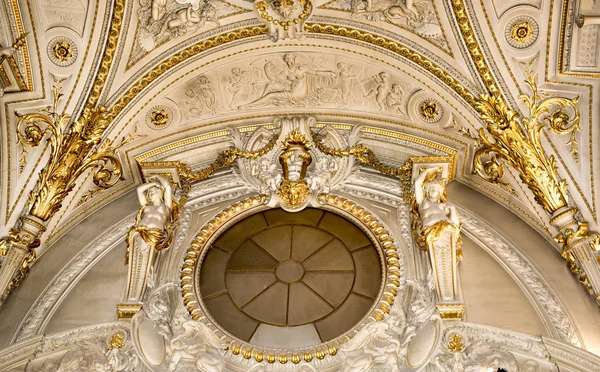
{"x": 64, "y": 13}
{"x": 162, "y": 20}
{"x": 417, "y": 16}
{"x": 589, "y": 7}
{"x": 293, "y": 80}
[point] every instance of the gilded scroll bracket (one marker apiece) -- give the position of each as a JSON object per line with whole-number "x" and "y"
{"x": 74, "y": 150}
{"x": 508, "y": 138}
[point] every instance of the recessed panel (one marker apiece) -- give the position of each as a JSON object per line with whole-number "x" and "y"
{"x": 277, "y": 273}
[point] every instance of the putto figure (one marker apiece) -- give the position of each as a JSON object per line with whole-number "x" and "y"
{"x": 268, "y": 175}
{"x": 152, "y": 233}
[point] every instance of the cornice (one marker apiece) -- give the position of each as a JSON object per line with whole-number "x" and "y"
{"x": 570, "y": 356}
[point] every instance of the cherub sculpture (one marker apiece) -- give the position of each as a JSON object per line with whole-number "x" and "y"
{"x": 195, "y": 342}
{"x": 319, "y": 180}
{"x": 268, "y": 175}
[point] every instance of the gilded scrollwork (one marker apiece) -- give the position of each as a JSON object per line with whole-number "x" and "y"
{"x": 67, "y": 144}
{"x": 515, "y": 140}
{"x": 74, "y": 150}
{"x": 520, "y": 146}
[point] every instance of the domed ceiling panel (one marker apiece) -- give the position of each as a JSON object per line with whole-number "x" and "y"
{"x": 298, "y": 272}
{"x": 418, "y": 17}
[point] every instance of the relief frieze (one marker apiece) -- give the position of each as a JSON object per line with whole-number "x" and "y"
{"x": 160, "y": 21}
{"x": 416, "y": 16}
{"x": 305, "y": 80}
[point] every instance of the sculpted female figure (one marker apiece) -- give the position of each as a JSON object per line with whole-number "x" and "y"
{"x": 430, "y": 196}
{"x": 431, "y": 213}
{"x": 287, "y": 86}
{"x": 151, "y": 234}
{"x": 436, "y": 227}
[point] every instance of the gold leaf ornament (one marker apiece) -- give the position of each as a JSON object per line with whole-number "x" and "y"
{"x": 520, "y": 146}
{"x": 68, "y": 149}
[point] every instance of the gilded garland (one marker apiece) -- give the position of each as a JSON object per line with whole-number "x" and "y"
{"x": 365, "y": 155}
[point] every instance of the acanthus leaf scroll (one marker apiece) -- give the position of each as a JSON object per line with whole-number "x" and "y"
{"x": 66, "y": 147}
{"x": 516, "y": 141}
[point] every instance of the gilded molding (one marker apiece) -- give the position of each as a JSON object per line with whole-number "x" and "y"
{"x": 25, "y": 85}
{"x": 109, "y": 53}
{"x": 477, "y": 57}
{"x": 211, "y": 228}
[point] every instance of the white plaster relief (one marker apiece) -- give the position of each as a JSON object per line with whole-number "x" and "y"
{"x": 587, "y": 50}
{"x": 306, "y": 79}
{"x": 162, "y": 20}
{"x": 64, "y": 13}
{"x": 417, "y": 16}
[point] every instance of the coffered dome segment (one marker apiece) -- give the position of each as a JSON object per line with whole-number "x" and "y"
{"x": 279, "y": 285}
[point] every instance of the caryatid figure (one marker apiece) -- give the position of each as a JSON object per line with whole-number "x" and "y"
{"x": 437, "y": 230}
{"x": 152, "y": 233}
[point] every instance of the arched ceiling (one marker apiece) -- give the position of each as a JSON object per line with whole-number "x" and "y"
{"x": 179, "y": 84}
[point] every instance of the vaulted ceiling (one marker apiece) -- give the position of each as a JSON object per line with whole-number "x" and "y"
{"x": 178, "y": 80}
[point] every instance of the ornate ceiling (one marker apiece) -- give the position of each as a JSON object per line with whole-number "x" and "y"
{"x": 508, "y": 90}
{"x": 419, "y": 70}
